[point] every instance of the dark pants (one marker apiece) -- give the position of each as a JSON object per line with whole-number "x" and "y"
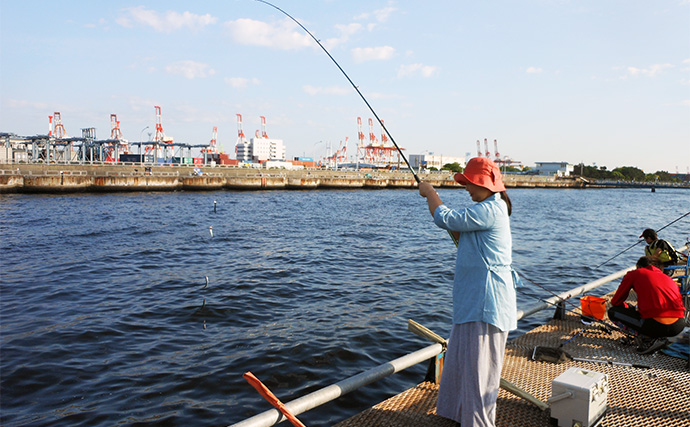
{"x": 630, "y": 318}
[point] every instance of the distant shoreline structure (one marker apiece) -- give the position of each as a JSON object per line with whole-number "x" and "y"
{"x": 100, "y": 178}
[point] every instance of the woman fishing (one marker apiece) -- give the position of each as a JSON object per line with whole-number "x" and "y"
{"x": 484, "y": 304}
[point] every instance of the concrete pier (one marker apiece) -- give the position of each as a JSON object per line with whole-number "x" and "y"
{"x": 39, "y": 178}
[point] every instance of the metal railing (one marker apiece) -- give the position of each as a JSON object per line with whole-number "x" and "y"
{"x": 332, "y": 392}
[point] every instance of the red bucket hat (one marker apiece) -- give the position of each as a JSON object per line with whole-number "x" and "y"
{"x": 483, "y": 172}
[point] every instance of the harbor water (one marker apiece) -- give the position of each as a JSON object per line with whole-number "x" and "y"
{"x": 107, "y": 316}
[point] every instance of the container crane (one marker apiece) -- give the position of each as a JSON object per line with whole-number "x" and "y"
{"x": 263, "y": 127}
{"x": 159, "y": 138}
{"x": 213, "y": 144}
{"x": 372, "y": 137}
{"x": 240, "y": 133}
{"x": 160, "y": 135}
{"x": 115, "y": 132}
{"x": 360, "y": 135}
{"x": 343, "y": 153}
{"x": 479, "y": 149}
{"x": 60, "y": 131}
{"x": 113, "y": 149}
{"x": 384, "y": 137}
{"x": 498, "y": 156}
{"x": 486, "y": 149}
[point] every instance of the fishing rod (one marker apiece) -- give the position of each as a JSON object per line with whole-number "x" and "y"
{"x": 352, "y": 83}
{"x": 607, "y": 327}
{"x": 640, "y": 241}
{"x": 450, "y": 233}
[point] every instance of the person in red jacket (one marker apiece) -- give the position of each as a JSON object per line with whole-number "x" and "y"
{"x": 660, "y": 312}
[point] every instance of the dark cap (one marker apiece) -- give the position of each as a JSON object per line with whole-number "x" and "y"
{"x": 649, "y": 233}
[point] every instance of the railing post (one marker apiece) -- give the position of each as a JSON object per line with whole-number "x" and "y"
{"x": 435, "y": 370}
{"x": 559, "y": 314}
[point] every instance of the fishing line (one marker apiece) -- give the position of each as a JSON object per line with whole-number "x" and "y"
{"x": 545, "y": 289}
{"x": 640, "y": 241}
{"x": 450, "y": 233}
{"x": 351, "y": 82}
{"x": 589, "y": 318}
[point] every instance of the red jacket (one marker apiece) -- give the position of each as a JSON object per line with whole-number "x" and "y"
{"x": 657, "y": 294}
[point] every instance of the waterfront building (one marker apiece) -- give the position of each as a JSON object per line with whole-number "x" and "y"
{"x": 260, "y": 149}
{"x": 554, "y": 168}
{"x": 431, "y": 160}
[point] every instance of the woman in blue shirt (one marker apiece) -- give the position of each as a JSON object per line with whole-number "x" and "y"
{"x": 484, "y": 305}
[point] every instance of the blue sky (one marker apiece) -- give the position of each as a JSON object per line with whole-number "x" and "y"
{"x": 599, "y": 82}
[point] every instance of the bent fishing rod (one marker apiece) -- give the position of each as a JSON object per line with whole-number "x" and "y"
{"x": 450, "y": 233}
{"x": 591, "y": 319}
{"x": 640, "y": 241}
{"x": 351, "y": 82}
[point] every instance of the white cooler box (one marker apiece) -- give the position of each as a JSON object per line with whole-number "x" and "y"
{"x": 578, "y": 397}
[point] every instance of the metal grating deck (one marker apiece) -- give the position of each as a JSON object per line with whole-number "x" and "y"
{"x": 659, "y": 396}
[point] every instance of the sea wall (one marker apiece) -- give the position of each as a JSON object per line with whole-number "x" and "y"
{"x": 33, "y": 178}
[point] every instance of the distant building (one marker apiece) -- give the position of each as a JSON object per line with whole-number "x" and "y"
{"x": 428, "y": 161}
{"x": 554, "y": 168}
{"x": 279, "y": 164}
{"x": 260, "y": 149}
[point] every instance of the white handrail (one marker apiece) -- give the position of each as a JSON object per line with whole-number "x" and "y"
{"x": 332, "y": 392}
{"x": 554, "y": 300}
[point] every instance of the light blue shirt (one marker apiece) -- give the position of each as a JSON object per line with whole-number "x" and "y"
{"x": 484, "y": 285}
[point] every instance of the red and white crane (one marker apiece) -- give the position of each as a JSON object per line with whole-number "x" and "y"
{"x": 113, "y": 149}
{"x": 372, "y": 137}
{"x": 263, "y": 127}
{"x": 115, "y": 132}
{"x": 479, "y": 149}
{"x": 213, "y": 144}
{"x": 343, "y": 153}
{"x": 240, "y": 133}
{"x": 384, "y": 137}
{"x": 498, "y": 156}
{"x": 60, "y": 131}
{"x": 360, "y": 134}
{"x": 486, "y": 149}
{"x": 160, "y": 135}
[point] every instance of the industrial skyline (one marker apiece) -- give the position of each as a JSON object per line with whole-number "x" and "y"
{"x": 603, "y": 83}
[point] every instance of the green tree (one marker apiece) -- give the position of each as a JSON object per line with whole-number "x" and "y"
{"x": 455, "y": 167}
{"x": 666, "y": 177}
{"x": 631, "y": 173}
{"x": 511, "y": 169}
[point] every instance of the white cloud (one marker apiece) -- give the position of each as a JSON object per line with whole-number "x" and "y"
{"x": 651, "y": 71}
{"x": 21, "y": 103}
{"x": 686, "y": 63}
{"x": 534, "y": 70}
{"x": 190, "y": 69}
{"x": 332, "y": 90}
{"x": 362, "y": 54}
{"x": 417, "y": 69}
{"x": 241, "y": 82}
{"x": 345, "y": 32}
{"x": 284, "y": 35}
{"x": 164, "y": 22}
{"x": 379, "y": 15}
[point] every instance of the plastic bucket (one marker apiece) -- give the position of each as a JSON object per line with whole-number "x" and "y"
{"x": 593, "y": 306}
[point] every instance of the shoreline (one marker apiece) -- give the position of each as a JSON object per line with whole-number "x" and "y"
{"x": 132, "y": 177}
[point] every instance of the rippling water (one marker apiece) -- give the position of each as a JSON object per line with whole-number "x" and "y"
{"x": 105, "y": 318}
